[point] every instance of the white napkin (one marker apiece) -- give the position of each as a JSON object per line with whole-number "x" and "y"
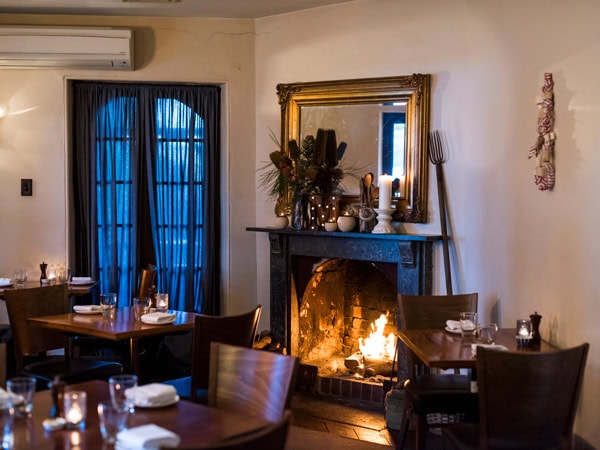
{"x": 158, "y": 317}
{"x": 5, "y": 282}
{"x": 151, "y": 394}
{"x": 81, "y": 280}
{"x": 492, "y": 346}
{"x": 453, "y": 325}
{"x": 86, "y": 308}
{"x": 147, "y": 437}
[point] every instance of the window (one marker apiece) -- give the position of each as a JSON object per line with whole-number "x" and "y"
{"x": 151, "y": 154}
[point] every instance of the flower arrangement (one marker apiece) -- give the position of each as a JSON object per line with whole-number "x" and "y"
{"x": 313, "y": 167}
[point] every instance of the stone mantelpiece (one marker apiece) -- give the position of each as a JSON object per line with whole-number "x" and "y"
{"x": 411, "y": 254}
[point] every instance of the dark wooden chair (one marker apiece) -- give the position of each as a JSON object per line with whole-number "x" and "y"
{"x": 258, "y": 382}
{"x": 31, "y": 342}
{"x": 527, "y": 400}
{"x": 237, "y": 330}
{"x": 146, "y": 285}
{"x": 446, "y": 395}
{"x": 271, "y": 437}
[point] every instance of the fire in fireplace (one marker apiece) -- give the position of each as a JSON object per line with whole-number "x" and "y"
{"x": 347, "y": 319}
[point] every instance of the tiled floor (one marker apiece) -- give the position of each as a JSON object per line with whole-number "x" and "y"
{"x": 350, "y": 419}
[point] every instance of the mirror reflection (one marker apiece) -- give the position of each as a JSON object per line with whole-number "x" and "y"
{"x": 383, "y": 121}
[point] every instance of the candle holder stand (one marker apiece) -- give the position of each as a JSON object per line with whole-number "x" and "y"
{"x": 384, "y": 222}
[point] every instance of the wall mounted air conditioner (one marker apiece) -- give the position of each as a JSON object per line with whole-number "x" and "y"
{"x": 66, "y": 47}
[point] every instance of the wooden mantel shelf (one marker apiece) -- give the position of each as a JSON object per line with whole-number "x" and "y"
{"x": 412, "y": 255}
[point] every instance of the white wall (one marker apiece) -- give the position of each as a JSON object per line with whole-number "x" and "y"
{"x": 34, "y": 138}
{"x": 523, "y": 250}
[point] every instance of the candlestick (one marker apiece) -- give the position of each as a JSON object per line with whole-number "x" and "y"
{"x": 384, "y": 218}
{"x": 385, "y": 191}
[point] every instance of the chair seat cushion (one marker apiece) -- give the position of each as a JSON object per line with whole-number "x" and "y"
{"x": 442, "y": 394}
{"x": 76, "y": 370}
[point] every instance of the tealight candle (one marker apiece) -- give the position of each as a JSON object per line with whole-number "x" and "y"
{"x": 523, "y": 328}
{"x": 75, "y": 409}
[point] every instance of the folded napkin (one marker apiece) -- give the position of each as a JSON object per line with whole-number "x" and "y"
{"x": 5, "y": 282}
{"x": 151, "y": 394}
{"x": 158, "y": 317}
{"x": 147, "y": 437}
{"x": 8, "y": 398}
{"x": 492, "y": 346}
{"x": 453, "y": 325}
{"x": 81, "y": 280}
{"x": 86, "y": 308}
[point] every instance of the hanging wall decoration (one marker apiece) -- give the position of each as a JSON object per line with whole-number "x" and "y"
{"x": 543, "y": 149}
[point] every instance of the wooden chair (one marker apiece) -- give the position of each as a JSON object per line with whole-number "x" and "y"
{"x": 271, "y": 437}
{"x": 258, "y": 382}
{"x": 237, "y": 330}
{"x": 527, "y": 400}
{"x": 31, "y": 342}
{"x": 146, "y": 286}
{"x": 448, "y": 395}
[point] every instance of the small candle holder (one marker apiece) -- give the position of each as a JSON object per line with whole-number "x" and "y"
{"x": 523, "y": 332}
{"x": 384, "y": 219}
{"x": 75, "y": 409}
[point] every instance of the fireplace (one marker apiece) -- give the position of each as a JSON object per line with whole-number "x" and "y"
{"x": 404, "y": 260}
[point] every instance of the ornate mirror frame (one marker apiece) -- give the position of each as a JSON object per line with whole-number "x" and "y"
{"x": 412, "y": 89}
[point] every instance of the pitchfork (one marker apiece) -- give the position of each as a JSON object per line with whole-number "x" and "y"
{"x": 437, "y": 158}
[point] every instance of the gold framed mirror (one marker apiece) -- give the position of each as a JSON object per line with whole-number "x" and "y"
{"x": 383, "y": 121}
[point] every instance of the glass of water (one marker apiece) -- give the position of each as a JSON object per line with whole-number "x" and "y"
{"x": 118, "y": 384}
{"x": 20, "y": 276}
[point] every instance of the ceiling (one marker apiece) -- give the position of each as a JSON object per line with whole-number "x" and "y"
{"x": 250, "y": 9}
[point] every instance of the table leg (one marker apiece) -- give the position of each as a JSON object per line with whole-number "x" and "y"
{"x": 134, "y": 360}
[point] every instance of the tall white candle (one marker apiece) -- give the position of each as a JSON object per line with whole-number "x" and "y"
{"x": 385, "y": 191}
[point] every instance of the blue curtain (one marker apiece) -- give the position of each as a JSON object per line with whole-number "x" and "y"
{"x": 145, "y": 189}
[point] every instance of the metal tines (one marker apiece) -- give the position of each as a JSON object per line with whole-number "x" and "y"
{"x": 436, "y": 151}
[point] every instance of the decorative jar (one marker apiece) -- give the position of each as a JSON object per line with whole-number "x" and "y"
{"x": 346, "y": 223}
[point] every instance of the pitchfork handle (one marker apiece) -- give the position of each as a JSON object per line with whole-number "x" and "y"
{"x": 439, "y": 172}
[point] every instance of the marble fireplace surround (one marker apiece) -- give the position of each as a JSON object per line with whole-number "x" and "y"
{"x": 290, "y": 250}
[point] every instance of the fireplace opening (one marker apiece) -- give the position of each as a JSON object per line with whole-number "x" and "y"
{"x": 346, "y": 304}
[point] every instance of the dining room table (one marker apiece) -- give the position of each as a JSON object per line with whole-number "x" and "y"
{"x": 74, "y": 289}
{"x": 194, "y": 423}
{"x": 119, "y": 326}
{"x": 443, "y": 349}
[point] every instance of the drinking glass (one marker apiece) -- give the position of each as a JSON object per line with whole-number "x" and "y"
{"x": 468, "y": 324}
{"x": 108, "y": 303}
{"x": 118, "y": 384}
{"x": 487, "y": 333}
{"x": 141, "y": 306}
{"x": 20, "y": 276}
{"x": 112, "y": 420}
{"x": 23, "y": 389}
{"x": 162, "y": 302}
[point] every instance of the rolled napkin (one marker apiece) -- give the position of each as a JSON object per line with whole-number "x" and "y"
{"x": 151, "y": 394}
{"x": 5, "y": 282}
{"x": 147, "y": 437}
{"x": 87, "y": 308}
{"x": 158, "y": 317}
{"x": 453, "y": 325}
{"x": 492, "y": 346}
{"x": 81, "y": 280}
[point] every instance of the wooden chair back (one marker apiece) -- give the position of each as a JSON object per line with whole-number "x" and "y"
{"x": 528, "y": 400}
{"x": 419, "y": 312}
{"x": 147, "y": 277}
{"x": 271, "y": 437}
{"x": 257, "y": 382}
{"x": 21, "y": 304}
{"x": 237, "y": 330}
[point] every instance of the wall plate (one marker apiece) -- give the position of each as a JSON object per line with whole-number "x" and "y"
{"x": 26, "y": 187}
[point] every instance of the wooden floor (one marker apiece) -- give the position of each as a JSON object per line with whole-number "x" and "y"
{"x": 349, "y": 419}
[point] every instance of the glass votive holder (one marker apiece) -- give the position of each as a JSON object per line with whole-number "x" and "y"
{"x": 162, "y": 302}
{"x": 523, "y": 331}
{"x": 75, "y": 409}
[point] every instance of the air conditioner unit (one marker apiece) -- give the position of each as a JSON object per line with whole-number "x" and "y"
{"x": 66, "y": 47}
